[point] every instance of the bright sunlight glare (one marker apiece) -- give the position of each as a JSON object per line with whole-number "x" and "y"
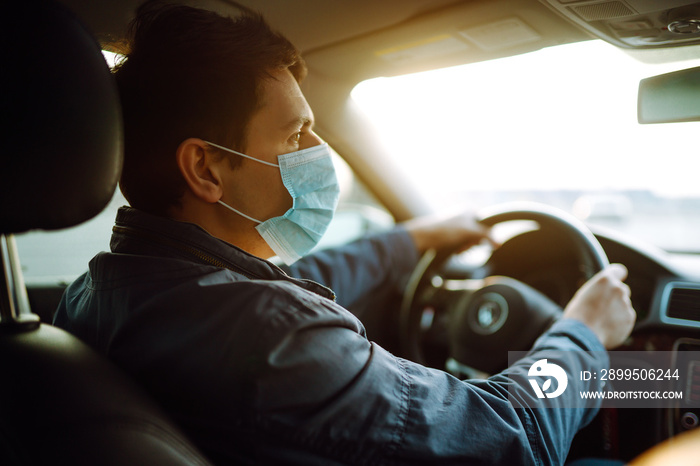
{"x": 559, "y": 118}
{"x": 111, "y": 58}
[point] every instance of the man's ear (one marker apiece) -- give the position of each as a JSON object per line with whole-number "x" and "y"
{"x": 199, "y": 169}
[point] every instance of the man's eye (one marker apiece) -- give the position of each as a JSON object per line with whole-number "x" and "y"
{"x": 296, "y": 138}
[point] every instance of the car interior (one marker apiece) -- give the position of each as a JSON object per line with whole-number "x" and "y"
{"x": 65, "y": 404}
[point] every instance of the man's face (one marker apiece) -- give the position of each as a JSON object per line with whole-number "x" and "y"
{"x": 283, "y": 124}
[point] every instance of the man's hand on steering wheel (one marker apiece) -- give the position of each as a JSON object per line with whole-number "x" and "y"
{"x": 603, "y": 304}
{"x": 454, "y": 232}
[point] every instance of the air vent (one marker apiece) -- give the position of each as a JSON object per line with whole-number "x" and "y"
{"x": 684, "y": 303}
{"x": 602, "y": 11}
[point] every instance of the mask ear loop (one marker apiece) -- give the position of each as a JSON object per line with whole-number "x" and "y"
{"x": 247, "y": 157}
{"x": 238, "y": 212}
{"x": 242, "y": 155}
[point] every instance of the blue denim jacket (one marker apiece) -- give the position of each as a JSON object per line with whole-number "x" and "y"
{"x": 262, "y": 368}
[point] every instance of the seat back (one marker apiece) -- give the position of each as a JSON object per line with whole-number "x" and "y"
{"x": 61, "y": 402}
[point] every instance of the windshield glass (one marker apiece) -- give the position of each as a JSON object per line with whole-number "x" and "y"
{"x": 557, "y": 126}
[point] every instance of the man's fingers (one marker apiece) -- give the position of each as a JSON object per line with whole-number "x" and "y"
{"x": 617, "y": 271}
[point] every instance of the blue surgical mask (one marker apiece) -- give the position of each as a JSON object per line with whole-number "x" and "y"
{"x": 309, "y": 176}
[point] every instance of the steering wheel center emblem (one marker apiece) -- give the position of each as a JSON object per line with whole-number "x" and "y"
{"x": 488, "y": 314}
{"x": 485, "y": 314}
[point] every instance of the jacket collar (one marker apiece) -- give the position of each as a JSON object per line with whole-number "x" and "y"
{"x": 137, "y": 232}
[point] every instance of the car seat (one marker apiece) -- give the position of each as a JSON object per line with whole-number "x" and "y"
{"x": 60, "y": 401}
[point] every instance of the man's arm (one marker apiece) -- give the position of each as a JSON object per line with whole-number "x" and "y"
{"x": 603, "y": 303}
{"x": 368, "y": 406}
{"x": 358, "y": 270}
{"x": 384, "y": 261}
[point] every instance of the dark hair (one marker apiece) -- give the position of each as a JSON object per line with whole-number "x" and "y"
{"x": 189, "y": 73}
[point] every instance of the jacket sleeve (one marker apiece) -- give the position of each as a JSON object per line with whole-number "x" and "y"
{"x": 492, "y": 419}
{"x": 361, "y": 268}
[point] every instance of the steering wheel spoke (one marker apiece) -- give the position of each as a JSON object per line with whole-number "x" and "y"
{"x": 504, "y": 315}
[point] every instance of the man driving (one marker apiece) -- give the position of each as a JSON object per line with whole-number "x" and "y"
{"x": 262, "y": 364}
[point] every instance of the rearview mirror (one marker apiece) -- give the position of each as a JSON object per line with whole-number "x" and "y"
{"x": 670, "y": 97}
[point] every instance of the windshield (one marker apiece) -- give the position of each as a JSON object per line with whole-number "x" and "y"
{"x": 557, "y": 126}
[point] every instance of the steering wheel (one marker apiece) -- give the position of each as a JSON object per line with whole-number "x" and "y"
{"x": 484, "y": 318}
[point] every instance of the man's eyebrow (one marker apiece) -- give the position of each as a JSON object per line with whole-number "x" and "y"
{"x": 300, "y": 122}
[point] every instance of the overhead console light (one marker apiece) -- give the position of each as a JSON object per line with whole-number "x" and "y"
{"x": 638, "y": 24}
{"x": 684, "y": 21}
{"x": 685, "y": 26}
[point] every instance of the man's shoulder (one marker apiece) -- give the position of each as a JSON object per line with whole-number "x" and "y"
{"x": 120, "y": 289}
{"x": 286, "y": 304}
{"x": 108, "y": 270}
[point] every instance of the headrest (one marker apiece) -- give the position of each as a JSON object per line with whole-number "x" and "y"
{"x": 61, "y": 152}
